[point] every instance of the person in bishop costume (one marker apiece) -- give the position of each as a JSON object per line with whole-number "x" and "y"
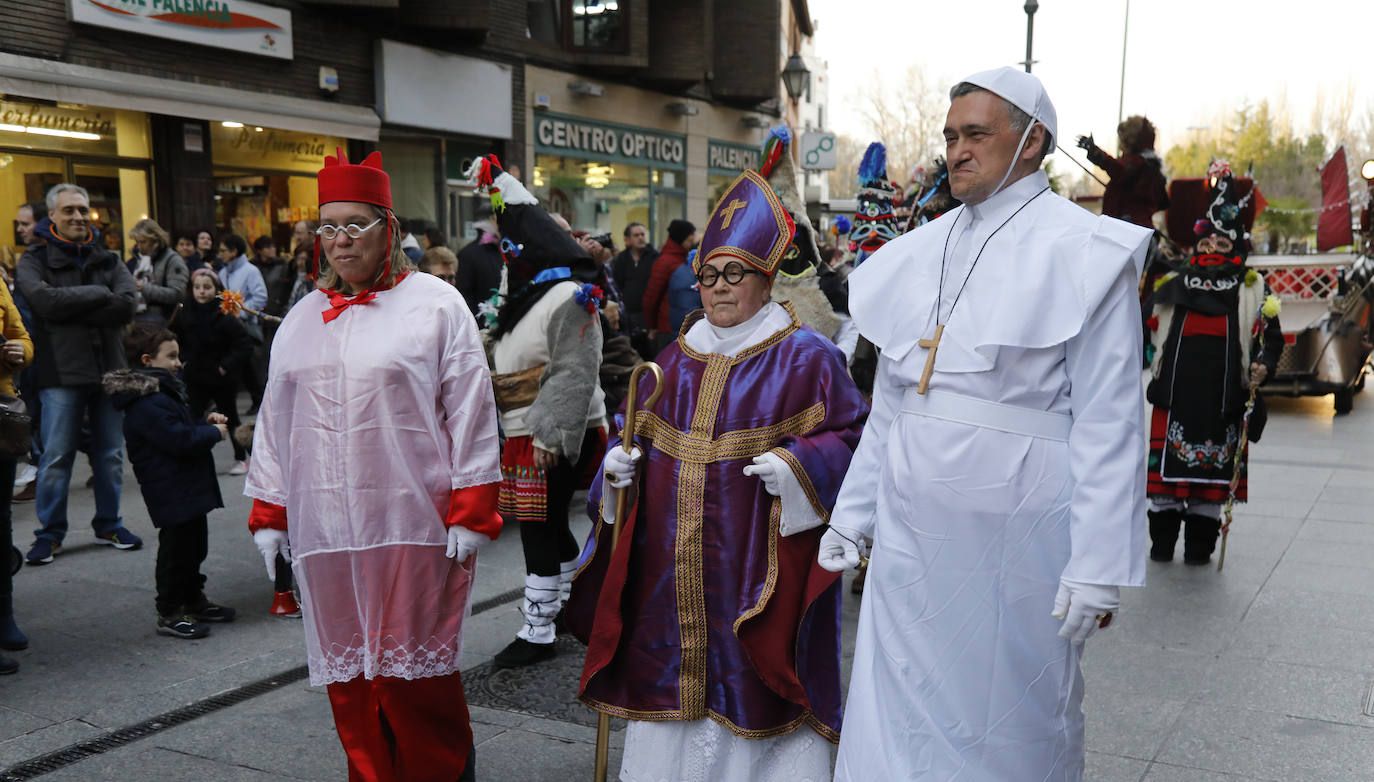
{"x": 546, "y": 350}
{"x": 999, "y": 475}
{"x": 711, "y": 627}
{"x": 1214, "y": 335}
{"x": 817, "y": 294}
{"x": 375, "y": 463}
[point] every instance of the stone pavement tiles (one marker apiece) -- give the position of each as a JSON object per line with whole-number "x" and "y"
{"x": 1260, "y": 672}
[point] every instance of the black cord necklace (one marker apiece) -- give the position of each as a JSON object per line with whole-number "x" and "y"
{"x": 933, "y": 344}
{"x": 939, "y": 294}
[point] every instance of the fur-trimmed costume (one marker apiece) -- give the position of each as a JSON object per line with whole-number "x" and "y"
{"x": 545, "y": 354}
{"x": 817, "y": 293}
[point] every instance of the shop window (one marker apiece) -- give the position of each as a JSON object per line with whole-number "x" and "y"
{"x": 542, "y": 20}
{"x": 598, "y": 25}
{"x": 414, "y": 170}
{"x": 265, "y": 179}
{"x": 593, "y": 195}
{"x": 119, "y": 198}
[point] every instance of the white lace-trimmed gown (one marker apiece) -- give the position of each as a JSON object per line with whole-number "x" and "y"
{"x": 367, "y": 425}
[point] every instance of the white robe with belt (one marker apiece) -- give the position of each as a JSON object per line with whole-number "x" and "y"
{"x": 959, "y": 673}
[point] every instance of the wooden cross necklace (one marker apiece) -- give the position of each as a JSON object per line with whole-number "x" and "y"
{"x": 933, "y": 344}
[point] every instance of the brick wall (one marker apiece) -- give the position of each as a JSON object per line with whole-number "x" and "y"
{"x": 340, "y": 38}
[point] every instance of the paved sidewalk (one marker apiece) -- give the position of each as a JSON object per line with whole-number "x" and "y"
{"x": 1260, "y": 672}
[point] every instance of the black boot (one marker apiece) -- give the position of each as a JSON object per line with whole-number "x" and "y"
{"x": 1164, "y": 533}
{"x": 519, "y": 653}
{"x": 1199, "y": 538}
{"x": 8, "y": 665}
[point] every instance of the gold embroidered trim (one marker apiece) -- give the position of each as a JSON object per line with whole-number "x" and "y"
{"x": 777, "y": 337}
{"x": 805, "y": 481}
{"x": 738, "y": 444}
{"x": 691, "y": 591}
{"x": 774, "y": 519}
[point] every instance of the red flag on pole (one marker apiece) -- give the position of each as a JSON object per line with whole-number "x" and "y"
{"x": 1333, "y": 222}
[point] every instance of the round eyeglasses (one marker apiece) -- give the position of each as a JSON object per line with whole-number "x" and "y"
{"x": 733, "y": 273}
{"x": 354, "y": 231}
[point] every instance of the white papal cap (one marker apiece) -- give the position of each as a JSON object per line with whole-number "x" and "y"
{"x": 1023, "y": 91}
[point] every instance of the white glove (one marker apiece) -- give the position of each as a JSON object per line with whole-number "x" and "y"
{"x": 840, "y": 548}
{"x": 767, "y": 473}
{"x": 272, "y": 542}
{"x": 1084, "y": 608}
{"x": 619, "y": 466}
{"x": 463, "y": 543}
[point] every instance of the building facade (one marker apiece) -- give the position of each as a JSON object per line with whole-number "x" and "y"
{"x": 218, "y": 114}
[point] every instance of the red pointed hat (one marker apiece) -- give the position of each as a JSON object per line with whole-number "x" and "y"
{"x": 365, "y": 182}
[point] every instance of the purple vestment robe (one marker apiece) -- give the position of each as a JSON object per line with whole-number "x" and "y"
{"x": 705, "y": 610}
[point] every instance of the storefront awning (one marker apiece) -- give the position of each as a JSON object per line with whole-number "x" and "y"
{"x": 32, "y": 77}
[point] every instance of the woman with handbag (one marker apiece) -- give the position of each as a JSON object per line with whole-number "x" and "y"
{"x": 15, "y": 354}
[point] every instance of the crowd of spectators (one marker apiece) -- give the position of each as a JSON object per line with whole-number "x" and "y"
{"x": 75, "y": 302}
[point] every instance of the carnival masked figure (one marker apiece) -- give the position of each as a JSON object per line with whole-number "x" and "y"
{"x": 875, "y": 224}
{"x": 545, "y": 355}
{"x": 1214, "y": 334}
{"x": 934, "y": 198}
{"x": 818, "y": 295}
{"x": 712, "y": 629}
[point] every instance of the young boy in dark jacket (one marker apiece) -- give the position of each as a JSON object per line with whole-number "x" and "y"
{"x": 170, "y": 453}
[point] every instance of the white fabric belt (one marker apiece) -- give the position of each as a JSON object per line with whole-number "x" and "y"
{"x": 962, "y": 409}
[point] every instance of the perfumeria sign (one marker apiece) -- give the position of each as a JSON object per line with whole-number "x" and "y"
{"x": 240, "y": 25}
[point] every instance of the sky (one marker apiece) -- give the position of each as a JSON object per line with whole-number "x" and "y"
{"x": 1268, "y": 49}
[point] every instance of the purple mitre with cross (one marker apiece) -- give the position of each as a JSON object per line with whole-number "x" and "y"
{"x": 749, "y": 223}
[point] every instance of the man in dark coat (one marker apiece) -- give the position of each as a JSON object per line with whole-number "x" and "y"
{"x": 682, "y": 236}
{"x": 479, "y": 264}
{"x": 630, "y": 270}
{"x": 81, "y": 296}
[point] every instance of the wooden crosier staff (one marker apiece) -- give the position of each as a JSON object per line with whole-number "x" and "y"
{"x": 603, "y": 720}
{"x": 1241, "y": 447}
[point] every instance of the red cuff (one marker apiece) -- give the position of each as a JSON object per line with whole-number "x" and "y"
{"x": 265, "y": 515}
{"x": 474, "y": 507}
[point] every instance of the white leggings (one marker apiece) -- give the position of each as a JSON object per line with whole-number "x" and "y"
{"x": 1211, "y": 510}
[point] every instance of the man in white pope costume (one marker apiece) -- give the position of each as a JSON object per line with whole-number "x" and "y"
{"x": 1001, "y": 473}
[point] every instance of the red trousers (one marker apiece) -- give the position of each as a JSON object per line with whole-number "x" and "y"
{"x": 394, "y": 730}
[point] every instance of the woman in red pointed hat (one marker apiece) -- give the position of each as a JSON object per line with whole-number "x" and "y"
{"x": 377, "y": 442}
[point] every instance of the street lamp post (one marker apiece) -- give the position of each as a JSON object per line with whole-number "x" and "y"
{"x": 1125, "y": 31}
{"x": 1031, "y": 7}
{"x": 795, "y": 76}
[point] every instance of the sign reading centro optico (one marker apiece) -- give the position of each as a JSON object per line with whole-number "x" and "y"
{"x": 252, "y": 28}
{"x": 558, "y": 134}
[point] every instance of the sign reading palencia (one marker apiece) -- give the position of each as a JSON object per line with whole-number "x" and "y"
{"x": 554, "y": 133}
{"x": 731, "y": 157}
{"x": 243, "y": 26}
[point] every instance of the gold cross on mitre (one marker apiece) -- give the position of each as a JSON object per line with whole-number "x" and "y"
{"x": 934, "y": 345}
{"x": 728, "y": 212}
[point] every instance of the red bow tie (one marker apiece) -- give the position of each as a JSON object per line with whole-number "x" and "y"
{"x": 339, "y": 302}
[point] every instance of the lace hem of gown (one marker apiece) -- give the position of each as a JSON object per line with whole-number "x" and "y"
{"x": 704, "y": 750}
